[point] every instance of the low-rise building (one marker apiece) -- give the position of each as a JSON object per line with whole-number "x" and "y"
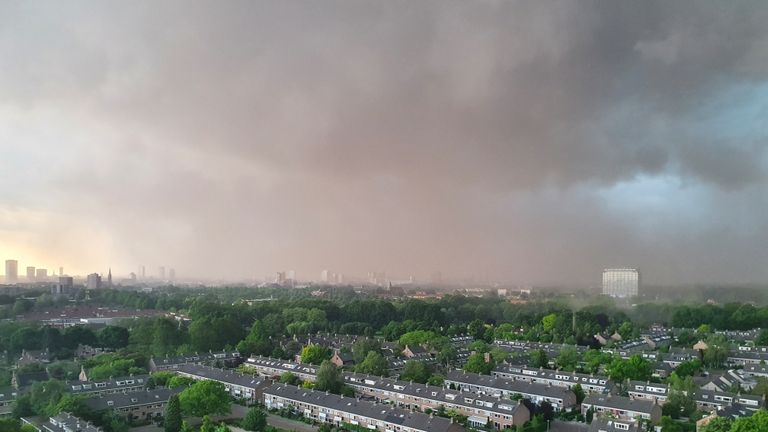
{"x": 481, "y": 411}
{"x": 340, "y": 410}
{"x": 590, "y": 383}
{"x": 229, "y": 359}
{"x": 342, "y": 359}
{"x": 559, "y": 397}
{"x": 144, "y": 405}
{"x": 275, "y": 367}
{"x": 129, "y": 384}
{"x": 622, "y": 408}
{"x": 7, "y": 399}
{"x": 606, "y": 424}
{"x": 62, "y": 422}
{"x": 239, "y": 385}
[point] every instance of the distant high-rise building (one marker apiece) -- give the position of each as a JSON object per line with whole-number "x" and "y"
{"x": 11, "y": 271}
{"x": 41, "y": 274}
{"x": 324, "y": 276}
{"x": 621, "y": 282}
{"x": 93, "y": 281}
{"x": 280, "y": 278}
{"x": 171, "y": 274}
{"x": 64, "y": 288}
{"x": 61, "y": 271}
{"x": 30, "y": 273}
{"x": 143, "y": 272}
{"x": 109, "y": 278}
{"x": 161, "y": 272}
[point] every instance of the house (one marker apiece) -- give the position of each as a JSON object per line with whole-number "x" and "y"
{"x": 62, "y": 422}
{"x": 648, "y": 391}
{"x": 339, "y": 410}
{"x": 413, "y": 351}
{"x": 230, "y": 359}
{"x": 22, "y": 380}
{"x": 29, "y": 357}
{"x": 559, "y": 397}
{"x": 590, "y": 383}
{"x": 144, "y": 405}
{"x": 481, "y": 410}
{"x": 128, "y": 384}
{"x": 87, "y": 351}
{"x": 240, "y": 386}
{"x": 342, "y": 359}
{"x": 7, "y": 399}
{"x": 607, "y": 424}
{"x": 275, "y": 367}
{"x": 622, "y": 408}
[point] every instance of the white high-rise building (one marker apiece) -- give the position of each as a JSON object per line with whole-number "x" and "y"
{"x": 621, "y": 282}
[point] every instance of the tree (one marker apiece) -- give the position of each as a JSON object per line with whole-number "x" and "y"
{"x": 688, "y": 368}
{"x": 579, "y": 392}
{"x": 315, "y": 354}
{"x": 207, "y": 425}
{"x": 289, "y": 378}
{"x": 718, "y": 424}
{"x": 172, "y": 418}
{"x": 635, "y": 368}
{"x": 568, "y": 359}
{"x": 255, "y": 420}
{"x": 205, "y": 398}
{"x": 476, "y": 364}
{"x": 329, "y": 378}
{"x": 416, "y": 371}
{"x": 548, "y": 322}
{"x": 762, "y": 338}
{"x": 476, "y": 329}
{"x": 680, "y": 401}
{"x": 756, "y": 422}
{"x": 538, "y": 359}
{"x": 363, "y": 346}
{"x": 113, "y": 337}
{"x": 374, "y": 364}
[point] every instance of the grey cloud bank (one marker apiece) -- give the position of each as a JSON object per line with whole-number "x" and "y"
{"x": 523, "y": 141}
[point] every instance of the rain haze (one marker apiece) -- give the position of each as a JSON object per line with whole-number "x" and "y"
{"x": 518, "y": 141}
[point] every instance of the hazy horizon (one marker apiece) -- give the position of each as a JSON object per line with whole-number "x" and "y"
{"x": 535, "y": 142}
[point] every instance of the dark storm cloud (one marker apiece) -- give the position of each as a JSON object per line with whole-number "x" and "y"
{"x": 409, "y": 136}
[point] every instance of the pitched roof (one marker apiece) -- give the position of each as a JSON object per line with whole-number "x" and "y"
{"x": 381, "y": 412}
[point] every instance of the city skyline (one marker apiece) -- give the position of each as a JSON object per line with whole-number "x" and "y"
{"x": 527, "y": 142}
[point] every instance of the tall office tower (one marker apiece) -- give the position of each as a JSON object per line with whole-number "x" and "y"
{"x": 30, "y": 273}
{"x": 280, "y": 278}
{"x": 143, "y": 272}
{"x": 621, "y": 282}
{"x": 93, "y": 281}
{"x": 61, "y": 271}
{"x": 171, "y": 274}
{"x": 41, "y": 274}
{"x": 65, "y": 287}
{"x": 324, "y": 276}
{"x": 109, "y": 278}
{"x": 11, "y": 271}
{"x": 161, "y": 272}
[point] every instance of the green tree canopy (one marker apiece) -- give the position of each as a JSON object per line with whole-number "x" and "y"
{"x": 329, "y": 378}
{"x": 205, "y": 398}
{"x": 255, "y": 420}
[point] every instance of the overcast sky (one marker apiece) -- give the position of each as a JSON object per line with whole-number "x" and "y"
{"x": 524, "y": 141}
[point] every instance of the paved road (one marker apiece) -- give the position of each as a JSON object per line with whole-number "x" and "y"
{"x": 288, "y": 424}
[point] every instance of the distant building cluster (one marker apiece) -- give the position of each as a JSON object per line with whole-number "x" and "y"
{"x": 621, "y": 282}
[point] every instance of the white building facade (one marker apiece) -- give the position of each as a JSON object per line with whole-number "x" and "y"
{"x": 621, "y": 282}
